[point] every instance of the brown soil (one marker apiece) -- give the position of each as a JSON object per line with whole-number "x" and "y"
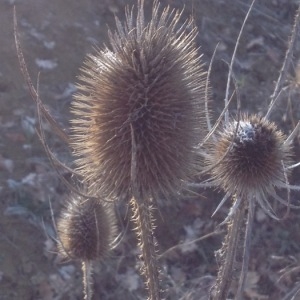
{"x": 56, "y": 35}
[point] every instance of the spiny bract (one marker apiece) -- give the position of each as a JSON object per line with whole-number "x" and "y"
{"x": 151, "y": 82}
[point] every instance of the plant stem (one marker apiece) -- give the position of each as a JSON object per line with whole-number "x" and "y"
{"x": 246, "y": 252}
{"x": 87, "y": 279}
{"x": 144, "y": 230}
{"x": 287, "y": 60}
{"x": 228, "y": 253}
{"x": 143, "y": 220}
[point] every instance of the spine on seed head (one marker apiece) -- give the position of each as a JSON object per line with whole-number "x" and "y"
{"x": 150, "y": 79}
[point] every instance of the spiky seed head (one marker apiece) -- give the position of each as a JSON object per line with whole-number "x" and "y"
{"x": 151, "y": 80}
{"x": 86, "y": 229}
{"x": 255, "y": 159}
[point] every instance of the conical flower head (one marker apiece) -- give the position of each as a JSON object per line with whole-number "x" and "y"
{"x": 150, "y": 83}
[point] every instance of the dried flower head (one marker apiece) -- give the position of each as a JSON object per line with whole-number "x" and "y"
{"x": 252, "y": 154}
{"x": 86, "y": 229}
{"x": 151, "y": 80}
{"x": 249, "y": 158}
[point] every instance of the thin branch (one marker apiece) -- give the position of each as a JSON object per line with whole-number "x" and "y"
{"x": 207, "y": 89}
{"x": 293, "y": 134}
{"x": 232, "y": 60}
{"x": 178, "y": 246}
{"x": 34, "y": 95}
{"x": 287, "y": 61}
{"x": 217, "y": 123}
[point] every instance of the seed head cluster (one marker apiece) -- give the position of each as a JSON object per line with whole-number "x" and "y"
{"x": 150, "y": 81}
{"x": 86, "y": 229}
{"x": 249, "y": 156}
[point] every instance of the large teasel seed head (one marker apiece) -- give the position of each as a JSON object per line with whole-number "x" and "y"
{"x": 249, "y": 156}
{"x": 150, "y": 79}
{"x": 86, "y": 229}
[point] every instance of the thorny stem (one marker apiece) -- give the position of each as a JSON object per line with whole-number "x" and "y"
{"x": 227, "y": 254}
{"x": 144, "y": 230}
{"x": 246, "y": 252}
{"x": 87, "y": 269}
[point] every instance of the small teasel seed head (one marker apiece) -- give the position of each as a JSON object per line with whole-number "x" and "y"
{"x": 255, "y": 155}
{"x": 151, "y": 80}
{"x": 86, "y": 229}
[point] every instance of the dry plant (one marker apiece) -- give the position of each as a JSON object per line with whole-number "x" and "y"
{"x": 249, "y": 158}
{"x": 86, "y": 228}
{"x": 86, "y": 231}
{"x": 138, "y": 118}
{"x": 136, "y": 129}
{"x": 137, "y": 122}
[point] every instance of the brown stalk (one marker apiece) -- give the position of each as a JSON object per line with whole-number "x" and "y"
{"x": 87, "y": 268}
{"x": 246, "y": 252}
{"x": 143, "y": 220}
{"x": 287, "y": 61}
{"x": 227, "y": 254}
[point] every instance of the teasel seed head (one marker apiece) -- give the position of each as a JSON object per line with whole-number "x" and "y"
{"x": 249, "y": 157}
{"x": 151, "y": 79}
{"x": 86, "y": 229}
